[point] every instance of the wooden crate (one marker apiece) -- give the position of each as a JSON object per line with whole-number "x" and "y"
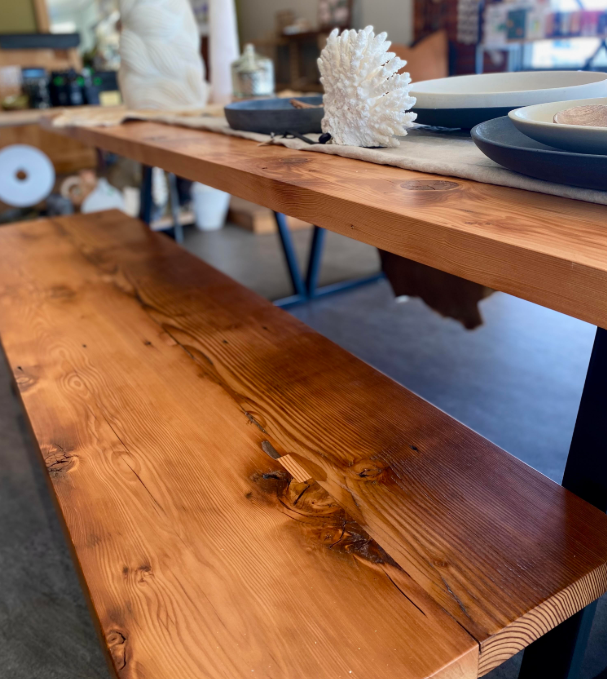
{"x": 258, "y": 219}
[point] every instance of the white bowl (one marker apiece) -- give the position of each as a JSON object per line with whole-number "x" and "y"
{"x": 495, "y": 90}
{"x": 537, "y": 122}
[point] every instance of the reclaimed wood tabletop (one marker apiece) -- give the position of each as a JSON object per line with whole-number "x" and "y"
{"x": 545, "y": 249}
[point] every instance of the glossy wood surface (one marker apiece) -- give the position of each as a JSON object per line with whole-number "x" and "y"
{"x": 202, "y": 556}
{"x": 548, "y": 250}
{"x": 163, "y": 395}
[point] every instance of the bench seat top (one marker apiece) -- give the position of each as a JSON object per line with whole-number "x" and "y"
{"x": 245, "y": 498}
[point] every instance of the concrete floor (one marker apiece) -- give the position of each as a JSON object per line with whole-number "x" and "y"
{"x": 517, "y": 380}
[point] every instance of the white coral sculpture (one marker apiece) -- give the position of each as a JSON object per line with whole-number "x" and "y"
{"x": 366, "y": 99}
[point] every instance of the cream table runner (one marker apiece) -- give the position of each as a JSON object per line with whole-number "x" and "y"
{"x": 451, "y": 153}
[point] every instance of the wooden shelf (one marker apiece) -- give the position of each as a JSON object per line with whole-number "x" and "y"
{"x": 186, "y": 217}
{"x": 258, "y": 219}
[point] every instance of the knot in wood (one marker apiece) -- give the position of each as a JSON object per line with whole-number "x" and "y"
{"x": 116, "y": 642}
{"x": 294, "y": 161}
{"x": 429, "y": 185}
{"x": 58, "y": 461}
{"x": 368, "y": 469}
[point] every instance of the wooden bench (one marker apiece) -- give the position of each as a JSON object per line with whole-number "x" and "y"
{"x": 244, "y": 498}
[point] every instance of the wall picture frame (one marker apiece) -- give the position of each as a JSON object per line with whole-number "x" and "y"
{"x": 335, "y": 14}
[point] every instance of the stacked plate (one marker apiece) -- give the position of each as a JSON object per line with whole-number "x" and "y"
{"x": 513, "y": 121}
{"x": 537, "y": 142}
{"x": 538, "y": 122}
{"x": 466, "y": 101}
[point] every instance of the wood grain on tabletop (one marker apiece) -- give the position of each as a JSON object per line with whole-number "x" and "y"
{"x": 202, "y": 556}
{"x": 504, "y": 551}
{"x": 546, "y": 249}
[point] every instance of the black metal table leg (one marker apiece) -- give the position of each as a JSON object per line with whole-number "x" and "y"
{"x": 314, "y": 262}
{"x": 586, "y": 469}
{"x": 311, "y": 290}
{"x": 145, "y": 194}
{"x": 315, "y": 259}
{"x": 559, "y": 654}
{"x": 289, "y": 251}
{"x": 174, "y": 201}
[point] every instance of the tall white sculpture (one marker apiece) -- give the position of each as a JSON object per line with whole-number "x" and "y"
{"x": 161, "y": 66}
{"x": 365, "y": 99}
{"x": 223, "y": 48}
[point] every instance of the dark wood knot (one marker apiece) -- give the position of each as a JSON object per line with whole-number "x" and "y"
{"x": 117, "y": 645}
{"x": 24, "y": 380}
{"x": 61, "y": 292}
{"x": 294, "y": 161}
{"x": 368, "y": 469}
{"x": 429, "y": 185}
{"x": 59, "y": 461}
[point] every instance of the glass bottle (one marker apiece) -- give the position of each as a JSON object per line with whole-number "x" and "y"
{"x": 252, "y": 75}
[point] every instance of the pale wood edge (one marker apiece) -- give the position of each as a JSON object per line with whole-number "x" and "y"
{"x": 464, "y": 666}
{"x": 518, "y": 635}
{"x": 294, "y": 468}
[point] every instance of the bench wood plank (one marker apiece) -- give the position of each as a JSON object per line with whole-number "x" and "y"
{"x": 202, "y": 557}
{"x": 545, "y": 249}
{"x": 469, "y": 538}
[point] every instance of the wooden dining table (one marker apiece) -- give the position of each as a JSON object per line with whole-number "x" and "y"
{"x": 545, "y": 249}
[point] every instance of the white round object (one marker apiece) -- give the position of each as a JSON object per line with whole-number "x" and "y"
{"x": 210, "y": 206}
{"x": 538, "y": 123}
{"x": 502, "y": 90}
{"x": 27, "y": 175}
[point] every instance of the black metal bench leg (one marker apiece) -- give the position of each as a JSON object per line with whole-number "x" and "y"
{"x": 559, "y": 654}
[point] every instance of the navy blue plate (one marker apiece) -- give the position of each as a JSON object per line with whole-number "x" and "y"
{"x": 275, "y": 115}
{"x": 502, "y": 142}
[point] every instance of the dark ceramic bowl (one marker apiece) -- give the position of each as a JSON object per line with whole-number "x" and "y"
{"x": 275, "y": 115}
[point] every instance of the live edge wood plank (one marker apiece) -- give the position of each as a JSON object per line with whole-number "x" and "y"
{"x": 154, "y": 384}
{"x": 545, "y": 249}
